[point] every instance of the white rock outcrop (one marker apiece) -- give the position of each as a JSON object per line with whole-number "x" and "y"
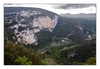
{"x": 27, "y": 36}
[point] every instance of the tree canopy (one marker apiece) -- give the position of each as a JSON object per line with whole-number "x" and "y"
{"x": 14, "y": 53}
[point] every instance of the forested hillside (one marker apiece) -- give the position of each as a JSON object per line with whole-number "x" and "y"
{"x": 84, "y": 54}
{"x": 34, "y": 36}
{"x": 15, "y": 54}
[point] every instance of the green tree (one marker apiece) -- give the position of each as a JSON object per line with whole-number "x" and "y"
{"x": 91, "y": 61}
{"x": 43, "y": 62}
{"x": 12, "y": 51}
{"x": 22, "y": 61}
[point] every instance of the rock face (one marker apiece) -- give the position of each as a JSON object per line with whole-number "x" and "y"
{"x": 38, "y": 26}
{"x": 45, "y": 22}
{"x": 29, "y": 22}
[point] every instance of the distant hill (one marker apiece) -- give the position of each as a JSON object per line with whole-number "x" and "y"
{"x": 84, "y": 16}
{"x": 87, "y": 22}
{"x": 38, "y": 27}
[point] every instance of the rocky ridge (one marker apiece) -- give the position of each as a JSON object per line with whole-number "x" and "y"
{"x": 28, "y": 24}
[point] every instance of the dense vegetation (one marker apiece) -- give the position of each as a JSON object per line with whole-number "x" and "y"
{"x": 89, "y": 25}
{"x": 20, "y": 55}
{"x": 73, "y": 54}
{"x": 70, "y": 29}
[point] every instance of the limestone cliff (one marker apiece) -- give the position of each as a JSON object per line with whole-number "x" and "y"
{"x": 29, "y": 22}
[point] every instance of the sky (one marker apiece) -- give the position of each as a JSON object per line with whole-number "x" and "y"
{"x": 60, "y": 8}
